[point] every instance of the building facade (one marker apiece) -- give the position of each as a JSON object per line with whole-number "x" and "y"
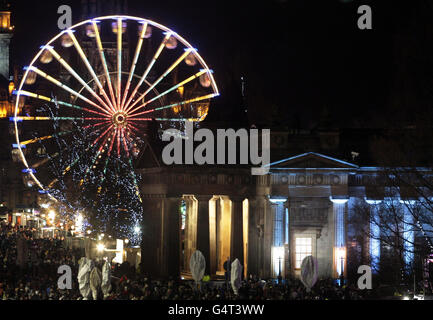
{"x": 270, "y": 223}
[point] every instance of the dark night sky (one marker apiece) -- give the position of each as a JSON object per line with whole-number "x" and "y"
{"x": 300, "y": 58}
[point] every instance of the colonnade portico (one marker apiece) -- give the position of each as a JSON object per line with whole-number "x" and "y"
{"x": 215, "y": 225}
{"x": 269, "y": 223}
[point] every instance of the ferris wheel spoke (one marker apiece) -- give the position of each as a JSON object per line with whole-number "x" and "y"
{"x": 133, "y": 127}
{"x": 44, "y": 161}
{"x": 55, "y": 135}
{"x": 101, "y": 136}
{"x": 55, "y": 101}
{"x": 95, "y": 119}
{"x": 198, "y": 74}
{"x": 103, "y": 60}
{"x": 90, "y": 69}
{"x": 96, "y": 124}
{"x": 149, "y": 67}
{"x": 52, "y": 183}
{"x": 125, "y": 146}
{"x": 119, "y": 61}
{"x": 168, "y": 119}
{"x": 20, "y": 118}
{"x": 111, "y": 143}
{"x": 98, "y": 153}
{"x": 141, "y": 119}
{"x": 118, "y": 141}
{"x": 78, "y": 77}
{"x": 179, "y": 120}
{"x": 206, "y": 97}
{"x": 128, "y": 138}
{"x": 167, "y": 72}
{"x": 65, "y": 87}
{"x": 134, "y": 62}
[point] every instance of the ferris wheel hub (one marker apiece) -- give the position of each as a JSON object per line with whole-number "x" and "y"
{"x": 119, "y": 119}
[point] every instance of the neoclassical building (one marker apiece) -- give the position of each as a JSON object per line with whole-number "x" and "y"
{"x": 270, "y": 223}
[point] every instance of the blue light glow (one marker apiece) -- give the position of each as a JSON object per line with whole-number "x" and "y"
{"x": 374, "y": 240}
{"x": 408, "y": 237}
{"x": 338, "y": 201}
{"x": 28, "y": 170}
{"x": 287, "y": 226}
{"x": 373, "y": 202}
{"x": 279, "y": 223}
{"x": 340, "y": 236}
{"x": 277, "y": 200}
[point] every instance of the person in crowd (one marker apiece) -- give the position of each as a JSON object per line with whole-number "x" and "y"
{"x": 33, "y": 276}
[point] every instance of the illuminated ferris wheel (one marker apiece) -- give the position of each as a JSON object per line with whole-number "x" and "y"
{"x": 108, "y": 77}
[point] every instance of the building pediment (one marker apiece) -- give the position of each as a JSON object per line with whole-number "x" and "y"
{"x": 311, "y": 160}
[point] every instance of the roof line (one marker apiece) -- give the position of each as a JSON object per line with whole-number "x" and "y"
{"x": 313, "y": 153}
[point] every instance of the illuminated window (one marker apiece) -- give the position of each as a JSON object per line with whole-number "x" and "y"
{"x": 303, "y": 249}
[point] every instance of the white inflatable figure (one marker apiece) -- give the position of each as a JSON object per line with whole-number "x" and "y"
{"x": 85, "y": 267}
{"x": 309, "y": 272}
{"x": 236, "y": 276}
{"x": 106, "y": 279}
{"x": 197, "y": 264}
{"x": 95, "y": 282}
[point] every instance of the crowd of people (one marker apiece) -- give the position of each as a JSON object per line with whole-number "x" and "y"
{"x": 34, "y": 277}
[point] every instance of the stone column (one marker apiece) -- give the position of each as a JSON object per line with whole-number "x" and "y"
{"x": 266, "y": 243}
{"x": 151, "y": 234}
{"x": 287, "y": 251}
{"x": 374, "y": 233}
{"x": 253, "y": 237}
{"x": 237, "y": 230}
{"x": 278, "y": 235}
{"x": 340, "y": 252}
{"x": 203, "y": 239}
{"x": 190, "y": 230}
{"x": 214, "y": 207}
{"x": 170, "y": 254}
